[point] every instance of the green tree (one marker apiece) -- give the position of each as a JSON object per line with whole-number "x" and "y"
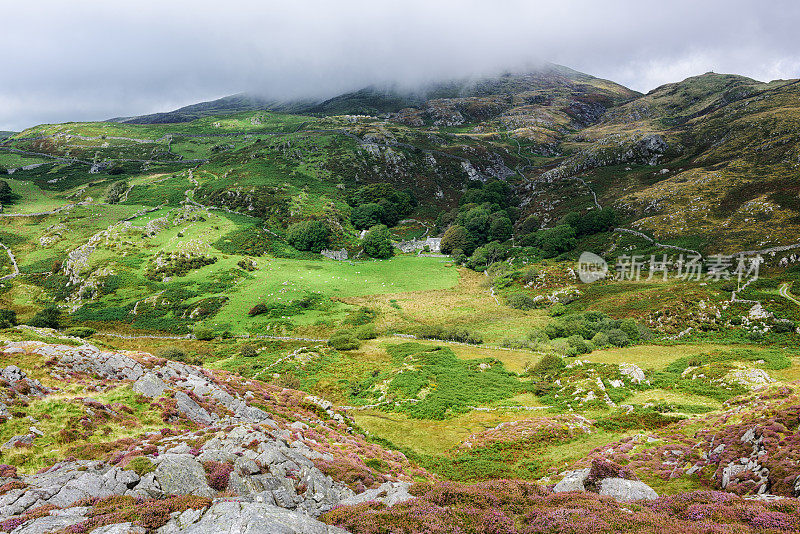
{"x": 377, "y": 243}
{"x": 554, "y": 241}
{"x": 309, "y": 235}
{"x": 500, "y": 228}
{"x": 116, "y": 192}
{"x": 367, "y": 215}
{"x": 49, "y": 317}
{"x": 6, "y": 195}
{"x": 8, "y": 318}
{"x": 456, "y": 237}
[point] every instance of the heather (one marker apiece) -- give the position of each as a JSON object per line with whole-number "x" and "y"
{"x": 515, "y": 507}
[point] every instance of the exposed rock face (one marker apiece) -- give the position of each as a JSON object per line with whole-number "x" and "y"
{"x": 246, "y": 518}
{"x": 606, "y": 478}
{"x": 270, "y": 467}
{"x": 339, "y": 255}
{"x": 182, "y": 474}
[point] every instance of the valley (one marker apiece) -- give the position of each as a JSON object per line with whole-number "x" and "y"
{"x": 180, "y": 350}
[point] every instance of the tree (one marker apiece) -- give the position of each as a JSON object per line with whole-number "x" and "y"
{"x": 377, "y": 243}
{"x": 116, "y": 192}
{"x": 367, "y": 215}
{"x": 554, "y": 241}
{"x": 47, "y": 318}
{"x": 8, "y": 318}
{"x": 6, "y": 195}
{"x": 500, "y": 228}
{"x": 455, "y": 237}
{"x": 309, "y": 235}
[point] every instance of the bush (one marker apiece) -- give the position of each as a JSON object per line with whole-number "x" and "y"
{"x": 377, "y": 243}
{"x": 202, "y": 333}
{"x": 549, "y": 366}
{"x": 579, "y": 344}
{"x": 172, "y": 353}
{"x": 600, "y": 339}
{"x": 248, "y": 351}
{"x": 311, "y": 236}
{"x": 141, "y": 465}
{"x": 344, "y": 341}
{"x": 49, "y": 317}
{"x": 629, "y": 327}
{"x": 618, "y": 337}
{"x": 81, "y": 332}
{"x": 557, "y": 310}
{"x": 218, "y": 474}
{"x": 366, "y": 332}
{"x": 8, "y": 318}
{"x": 521, "y": 301}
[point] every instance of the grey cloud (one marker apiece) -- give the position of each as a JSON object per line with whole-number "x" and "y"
{"x": 92, "y": 59}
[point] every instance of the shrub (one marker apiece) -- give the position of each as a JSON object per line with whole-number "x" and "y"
{"x": 521, "y": 301}
{"x": 549, "y": 366}
{"x": 618, "y": 337}
{"x": 247, "y": 264}
{"x": 172, "y": 353}
{"x": 312, "y": 236}
{"x": 366, "y": 332}
{"x": 8, "y": 318}
{"x": 47, "y": 318}
{"x": 600, "y": 339}
{"x": 579, "y": 344}
{"x": 81, "y": 332}
{"x": 204, "y": 334}
{"x": 218, "y": 474}
{"x": 629, "y": 327}
{"x": 141, "y": 465}
{"x": 248, "y": 351}
{"x": 377, "y": 244}
{"x": 557, "y": 310}
{"x": 344, "y": 341}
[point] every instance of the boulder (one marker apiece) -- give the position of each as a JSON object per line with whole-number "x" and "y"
{"x": 149, "y": 385}
{"x": 55, "y": 521}
{"x": 193, "y": 411}
{"x": 120, "y": 528}
{"x": 573, "y": 481}
{"x": 182, "y": 474}
{"x": 626, "y": 490}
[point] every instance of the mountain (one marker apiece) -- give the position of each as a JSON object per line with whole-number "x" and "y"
{"x": 549, "y": 81}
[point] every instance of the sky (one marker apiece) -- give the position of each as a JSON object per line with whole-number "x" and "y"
{"x": 96, "y": 59}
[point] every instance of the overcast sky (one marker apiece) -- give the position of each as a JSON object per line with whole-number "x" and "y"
{"x": 96, "y": 59}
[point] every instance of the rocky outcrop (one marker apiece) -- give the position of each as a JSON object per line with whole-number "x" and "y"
{"x": 606, "y": 478}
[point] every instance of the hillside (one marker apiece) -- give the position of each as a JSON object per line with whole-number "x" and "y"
{"x": 364, "y": 313}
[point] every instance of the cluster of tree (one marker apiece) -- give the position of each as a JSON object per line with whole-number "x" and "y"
{"x": 379, "y": 203}
{"x": 486, "y": 214}
{"x": 563, "y": 237}
{"x": 313, "y": 236}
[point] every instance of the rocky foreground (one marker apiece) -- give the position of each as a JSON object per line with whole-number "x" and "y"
{"x": 123, "y": 442}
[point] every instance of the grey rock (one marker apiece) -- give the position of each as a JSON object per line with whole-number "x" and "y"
{"x": 193, "y": 411}
{"x": 626, "y": 490}
{"x": 52, "y": 523}
{"x": 12, "y": 374}
{"x": 389, "y": 493}
{"x": 150, "y": 385}
{"x": 182, "y": 474}
{"x": 573, "y": 481}
{"x": 120, "y": 528}
{"x": 255, "y": 518}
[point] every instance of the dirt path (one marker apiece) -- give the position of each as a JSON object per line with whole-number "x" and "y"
{"x": 784, "y": 291}
{"x": 13, "y": 263}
